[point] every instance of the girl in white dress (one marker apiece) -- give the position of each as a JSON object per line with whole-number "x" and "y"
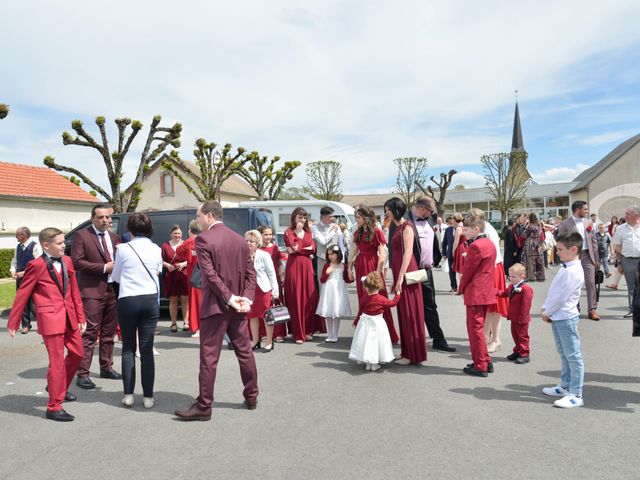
{"x": 371, "y": 343}
{"x": 334, "y": 299}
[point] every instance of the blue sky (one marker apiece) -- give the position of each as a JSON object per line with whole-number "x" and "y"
{"x": 362, "y": 82}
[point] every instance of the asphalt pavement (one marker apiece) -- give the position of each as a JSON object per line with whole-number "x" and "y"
{"x": 320, "y": 416}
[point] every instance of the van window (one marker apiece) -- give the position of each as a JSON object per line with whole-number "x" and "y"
{"x": 284, "y": 219}
{"x": 264, "y": 218}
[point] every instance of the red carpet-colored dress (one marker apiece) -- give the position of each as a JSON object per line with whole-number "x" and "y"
{"x": 367, "y": 262}
{"x": 458, "y": 257}
{"x": 300, "y": 294}
{"x": 187, "y": 250}
{"x": 175, "y": 283}
{"x": 413, "y": 339}
{"x": 277, "y": 257}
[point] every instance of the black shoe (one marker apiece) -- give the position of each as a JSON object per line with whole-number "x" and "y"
{"x": 444, "y": 346}
{"x": 230, "y": 346}
{"x": 68, "y": 397}
{"x": 256, "y": 346}
{"x": 522, "y": 360}
{"x": 110, "y": 374}
{"x": 513, "y": 357}
{"x": 489, "y": 366}
{"x": 85, "y": 382}
{"x": 59, "y": 416}
{"x": 474, "y": 371}
{"x": 267, "y": 348}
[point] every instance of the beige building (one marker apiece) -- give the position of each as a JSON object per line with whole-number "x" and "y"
{"x": 613, "y": 183}
{"x": 161, "y": 190}
{"x": 38, "y": 197}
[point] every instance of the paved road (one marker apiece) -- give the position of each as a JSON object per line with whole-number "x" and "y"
{"x": 322, "y": 417}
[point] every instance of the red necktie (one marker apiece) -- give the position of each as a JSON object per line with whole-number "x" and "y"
{"x": 104, "y": 247}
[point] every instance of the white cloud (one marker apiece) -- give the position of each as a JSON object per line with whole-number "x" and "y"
{"x": 559, "y": 174}
{"x": 607, "y": 137}
{"x": 468, "y": 179}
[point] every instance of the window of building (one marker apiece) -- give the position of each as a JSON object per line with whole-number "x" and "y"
{"x": 166, "y": 184}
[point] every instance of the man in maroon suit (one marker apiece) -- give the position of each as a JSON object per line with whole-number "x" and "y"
{"x": 477, "y": 283}
{"x": 92, "y": 252}
{"x": 50, "y": 281}
{"x": 228, "y": 286}
{"x": 589, "y": 256}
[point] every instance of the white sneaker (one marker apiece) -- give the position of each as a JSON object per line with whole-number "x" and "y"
{"x": 127, "y": 401}
{"x": 147, "y": 402}
{"x": 374, "y": 367}
{"x": 367, "y": 366}
{"x": 557, "y": 391}
{"x": 196, "y": 335}
{"x": 155, "y": 352}
{"x": 569, "y": 401}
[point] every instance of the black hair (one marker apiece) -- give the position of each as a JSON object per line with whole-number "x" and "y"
{"x": 396, "y": 206}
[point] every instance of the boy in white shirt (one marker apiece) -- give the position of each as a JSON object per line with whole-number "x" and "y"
{"x": 561, "y": 310}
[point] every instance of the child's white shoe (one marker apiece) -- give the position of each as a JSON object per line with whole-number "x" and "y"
{"x": 367, "y": 366}
{"x": 374, "y": 367}
{"x": 147, "y": 402}
{"x": 557, "y": 391}
{"x": 127, "y": 401}
{"x": 569, "y": 401}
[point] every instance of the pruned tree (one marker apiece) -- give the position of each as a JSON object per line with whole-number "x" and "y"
{"x": 214, "y": 166}
{"x": 443, "y": 184}
{"x": 296, "y": 193}
{"x": 264, "y": 178}
{"x": 4, "y": 111}
{"x": 324, "y": 180}
{"x": 412, "y": 172}
{"x": 158, "y": 139}
{"x": 506, "y": 178}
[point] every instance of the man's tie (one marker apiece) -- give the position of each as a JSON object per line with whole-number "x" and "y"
{"x": 104, "y": 246}
{"x": 564, "y": 265}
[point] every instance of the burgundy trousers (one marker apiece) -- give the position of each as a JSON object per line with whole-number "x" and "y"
{"x": 212, "y": 330}
{"x": 62, "y": 369}
{"x": 520, "y": 334}
{"x": 475, "y": 329}
{"x": 102, "y": 320}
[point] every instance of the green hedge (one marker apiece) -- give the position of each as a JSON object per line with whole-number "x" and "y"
{"x": 6, "y": 254}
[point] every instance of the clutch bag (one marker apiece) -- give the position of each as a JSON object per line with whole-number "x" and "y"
{"x": 419, "y": 276}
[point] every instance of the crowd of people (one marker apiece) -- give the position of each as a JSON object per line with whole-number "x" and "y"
{"x": 226, "y": 283}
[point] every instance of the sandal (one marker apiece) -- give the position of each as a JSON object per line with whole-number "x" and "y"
{"x": 174, "y": 328}
{"x": 185, "y": 327}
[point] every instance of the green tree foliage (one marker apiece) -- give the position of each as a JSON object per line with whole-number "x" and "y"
{"x": 506, "y": 178}
{"x": 412, "y": 172}
{"x": 214, "y": 166}
{"x": 264, "y": 178}
{"x": 324, "y": 180}
{"x": 158, "y": 140}
{"x": 296, "y": 193}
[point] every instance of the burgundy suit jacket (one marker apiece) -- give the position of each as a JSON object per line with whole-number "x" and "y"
{"x": 519, "y": 310}
{"x": 477, "y": 282}
{"x": 52, "y": 308}
{"x": 89, "y": 261}
{"x": 226, "y": 268}
{"x": 569, "y": 225}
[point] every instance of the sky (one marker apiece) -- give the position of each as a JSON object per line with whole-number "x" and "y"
{"x": 361, "y": 82}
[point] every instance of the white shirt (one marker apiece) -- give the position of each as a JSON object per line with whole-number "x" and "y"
{"x": 492, "y": 235}
{"x": 579, "y": 222}
{"x": 56, "y": 265}
{"x": 324, "y": 234}
{"x": 37, "y": 251}
{"x": 629, "y": 238}
{"x": 129, "y": 271}
{"x": 265, "y": 273}
{"x": 564, "y": 292}
{"x": 107, "y": 239}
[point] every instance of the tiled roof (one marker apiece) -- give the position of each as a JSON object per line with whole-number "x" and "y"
{"x": 39, "y": 182}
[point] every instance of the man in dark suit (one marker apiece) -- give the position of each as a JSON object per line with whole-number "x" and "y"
{"x": 589, "y": 256}
{"x": 447, "y": 252}
{"x": 92, "y": 252}
{"x": 427, "y": 254}
{"x": 228, "y": 287}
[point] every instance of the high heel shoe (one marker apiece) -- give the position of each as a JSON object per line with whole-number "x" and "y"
{"x": 493, "y": 347}
{"x": 269, "y": 348}
{"x": 256, "y": 346}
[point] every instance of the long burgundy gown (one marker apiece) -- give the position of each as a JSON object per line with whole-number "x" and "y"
{"x": 176, "y": 283}
{"x": 367, "y": 262}
{"x": 300, "y": 294}
{"x": 413, "y": 340}
{"x": 187, "y": 250}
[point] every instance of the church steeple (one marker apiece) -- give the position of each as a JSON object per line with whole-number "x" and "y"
{"x": 517, "y": 144}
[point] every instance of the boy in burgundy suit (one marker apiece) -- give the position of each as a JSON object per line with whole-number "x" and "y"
{"x": 51, "y": 281}
{"x": 520, "y": 297}
{"x": 477, "y": 284}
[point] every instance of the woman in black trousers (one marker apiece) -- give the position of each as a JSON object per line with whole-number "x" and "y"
{"x": 137, "y": 268}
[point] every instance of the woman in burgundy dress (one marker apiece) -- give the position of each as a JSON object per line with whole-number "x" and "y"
{"x": 300, "y": 293}
{"x": 176, "y": 284}
{"x": 368, "y": 253}
{"x": 188, "y": 250}
{"x": 459, "y": 245}
{"x": 413, "y": 339}
{"x": 269, "y": 246}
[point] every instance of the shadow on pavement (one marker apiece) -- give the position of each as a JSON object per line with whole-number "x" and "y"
{"x": 173, "y": 345}
{"x": 595, "y": 377}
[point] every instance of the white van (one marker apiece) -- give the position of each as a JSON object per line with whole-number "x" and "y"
{"x": 281, "y": 212}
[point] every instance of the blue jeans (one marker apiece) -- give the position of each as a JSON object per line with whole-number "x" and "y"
{"x": 565, "y": 333}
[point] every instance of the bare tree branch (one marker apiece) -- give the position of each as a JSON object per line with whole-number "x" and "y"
{"x": 411, "y": 174}
{"x": 50, "y": 162}
{"x": 506, "y": 178}
{"x": 324, "y": 179}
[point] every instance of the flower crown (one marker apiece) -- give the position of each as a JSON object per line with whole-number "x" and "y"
{"x": 335, "y": 248}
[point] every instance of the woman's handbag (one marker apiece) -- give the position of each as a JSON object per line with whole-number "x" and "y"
{"x": 419, "y": 276}
{"x": 276, "y": 314}
{"x": 196, "y": 278}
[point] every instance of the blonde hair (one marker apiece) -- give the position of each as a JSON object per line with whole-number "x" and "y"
{"x": 518, "y": 269}
{"x": 373, "y": 282}
{"x": 48, "y": 234}
{"x": 472, "y": 222}
{"x": 254, "y": 235}
{"x": 475, "y": 212}
{"x": 457, "y": 217}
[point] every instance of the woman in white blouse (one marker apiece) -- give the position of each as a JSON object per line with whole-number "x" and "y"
{"x": 137, "y": 268}
{"x": 266, "y": 290}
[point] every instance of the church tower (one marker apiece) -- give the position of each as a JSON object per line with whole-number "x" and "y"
{"x": 518, "y": 156}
